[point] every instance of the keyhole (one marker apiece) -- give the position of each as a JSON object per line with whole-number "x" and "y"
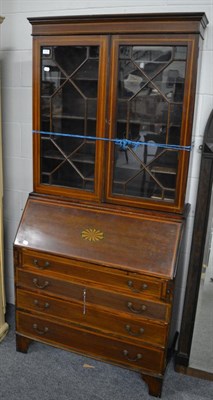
{"x": 84, "y": 301}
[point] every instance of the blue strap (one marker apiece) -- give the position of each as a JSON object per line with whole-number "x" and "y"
{"x": 123, "y": 143}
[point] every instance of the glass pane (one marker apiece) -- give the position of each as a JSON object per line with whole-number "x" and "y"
{"x": 170, "y": 82}
{"x": 149, "y": 114}
{"x": 180, "y": 52}
{"x": 163, "y": 171}
{"x": 151, "y": 59}
{"x": 70, "y": 58}
{"x": 68, "y": 115}
{"x": 73, "y": 158}
{"x": 86, "y": 79}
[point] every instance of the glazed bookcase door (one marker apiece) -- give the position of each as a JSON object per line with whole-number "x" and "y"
{"x": 149, "y": 91}
{"x": 69, "y": 120}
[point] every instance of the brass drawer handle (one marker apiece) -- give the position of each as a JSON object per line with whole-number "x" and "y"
{"x": 36, "y": 283}
{"x": 41, "y": 306}
{"x": 36, "y": 263}
{"x": 130, "y": 284}
{"x": 40, "y": 332}
{"x": 137, "y": 358}
{"x": 135, "y": 310}
{"x": 136, "y": 334}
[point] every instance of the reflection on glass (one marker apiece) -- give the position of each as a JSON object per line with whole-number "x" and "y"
{"x": 69, "y": 106}
{"x": 149, "y": 110}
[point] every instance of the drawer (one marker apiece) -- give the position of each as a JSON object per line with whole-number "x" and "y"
{"x": 86, "y": 294}
{"x": 133, "y": 328}
{"x": 124, "y": 280}
{"x": 90, "y": 343}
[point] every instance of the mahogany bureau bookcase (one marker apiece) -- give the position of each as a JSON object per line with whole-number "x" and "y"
{"x": 96, "y": 252}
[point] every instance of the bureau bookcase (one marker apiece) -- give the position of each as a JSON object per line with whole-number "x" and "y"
{"x": 96, "y": 252}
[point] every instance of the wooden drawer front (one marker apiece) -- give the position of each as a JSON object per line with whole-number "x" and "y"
{"x": 90, "y": 343}
{"x": 95, "y": 318}
{"x": 129, "y": 282}
{"x": 93, "y": 295}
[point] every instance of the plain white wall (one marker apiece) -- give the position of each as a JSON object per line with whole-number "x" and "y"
{"x": 16, "y": 64}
